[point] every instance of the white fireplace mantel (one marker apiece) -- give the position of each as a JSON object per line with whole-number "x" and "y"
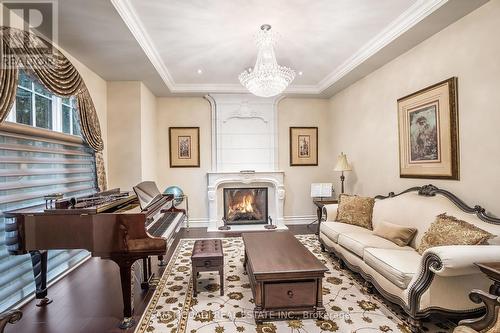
{"x": 244, "y": 137}
{"x": 274, "y": 180}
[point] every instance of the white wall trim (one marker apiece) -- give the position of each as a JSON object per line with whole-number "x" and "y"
{"x": 413, "y": 15}
{"x": 299, "y": 219}
{"x": 407, "y": 20}
{"x": 134, "y": 24}
{"x": 202, "y": 222}
{"x": 213, "y": 117}
{"x": 197, "y": 222}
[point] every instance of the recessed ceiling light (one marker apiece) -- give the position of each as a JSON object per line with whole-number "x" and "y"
{"x": 300, "y": 73}
{"x": 199, "y": 71}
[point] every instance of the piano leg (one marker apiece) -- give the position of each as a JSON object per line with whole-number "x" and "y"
{"x": 125, "y": 265}
{"x": 161, "y": 262}
{"x": 39, "y": 263}
{"x": 146, "y": 273}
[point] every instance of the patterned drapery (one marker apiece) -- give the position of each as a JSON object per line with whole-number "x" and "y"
{"x": 8, "y": 87}
{"x": 57, "y": 74}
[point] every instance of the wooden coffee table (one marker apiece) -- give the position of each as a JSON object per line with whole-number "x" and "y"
{"x": 285, "y": 277}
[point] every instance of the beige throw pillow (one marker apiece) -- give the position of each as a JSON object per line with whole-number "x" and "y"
{"x": 355, "y": 210}
{"x": 397, "y": 234}
{"x": 448, "y": 230}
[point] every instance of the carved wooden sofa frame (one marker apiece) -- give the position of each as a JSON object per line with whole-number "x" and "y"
{"x": 10, "y": 317}
{"x": 430, "y": 261}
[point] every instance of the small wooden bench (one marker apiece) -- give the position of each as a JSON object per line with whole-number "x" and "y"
{"x": 207, "y": 256}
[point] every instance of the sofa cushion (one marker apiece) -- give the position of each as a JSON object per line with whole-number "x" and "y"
{"x": 397, "y": 234}
{"x": 448, "y": 230}
{"x": 332, "y": 230}
{"x": 397, "y": 266}
{"x": 356, "y": 242}
{"x": 355, "y": 210}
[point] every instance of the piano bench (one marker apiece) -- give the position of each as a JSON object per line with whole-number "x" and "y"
{"x": 207, "y": 256}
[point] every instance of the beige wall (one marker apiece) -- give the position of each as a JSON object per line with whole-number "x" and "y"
{"x": 132, "y": 134}
{"x": 303, "y": 112}
{"x": 148, "y": 134}
{"x": 124, "y": 134}
{"x": 185, "y": 112}
{"x": 364, "y": 120}
{"x": 196, "y": 112}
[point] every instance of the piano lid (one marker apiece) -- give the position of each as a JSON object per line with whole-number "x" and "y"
{"x": 147, "y": 192}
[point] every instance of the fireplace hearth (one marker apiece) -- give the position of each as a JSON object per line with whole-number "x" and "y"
{"x": 245, "y": 205}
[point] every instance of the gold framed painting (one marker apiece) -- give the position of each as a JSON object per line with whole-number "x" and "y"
{"x": 184, "y": 148}
{"x": 303, "y": 146}
{"x": 428, "y": 132}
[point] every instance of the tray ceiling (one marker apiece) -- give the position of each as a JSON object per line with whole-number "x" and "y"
{"x": 167, "y": 43}
{"x": 315, "y": 37}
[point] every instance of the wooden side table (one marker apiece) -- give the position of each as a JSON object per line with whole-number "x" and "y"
{"x": 492, "y": 271}
{"x": 319, "y": 211}
{"x": 491, "y": 300}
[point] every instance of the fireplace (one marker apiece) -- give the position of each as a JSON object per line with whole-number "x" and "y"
{"x": 245, "y": 205}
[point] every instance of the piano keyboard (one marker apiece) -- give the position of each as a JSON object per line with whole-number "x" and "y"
{"x": 166, "y": 225}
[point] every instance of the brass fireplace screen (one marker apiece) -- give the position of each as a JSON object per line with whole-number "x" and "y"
{"x": 245, "y": 205}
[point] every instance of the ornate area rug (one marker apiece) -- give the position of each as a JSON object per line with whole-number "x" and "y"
{"x": 174, "y": 309}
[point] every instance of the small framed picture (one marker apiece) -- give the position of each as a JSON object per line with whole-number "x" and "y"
{"x": 303, "y": 146}
{"x": 428, "y": 132}
{"x": 184, "y": 148}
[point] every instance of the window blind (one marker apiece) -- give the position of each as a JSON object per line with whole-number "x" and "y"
{"x": 35, "y": 162}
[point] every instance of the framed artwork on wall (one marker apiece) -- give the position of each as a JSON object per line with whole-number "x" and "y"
{"x": 184, "y": 147}
{"x": 303, "y": 146}
{"x": 428, "y": 132}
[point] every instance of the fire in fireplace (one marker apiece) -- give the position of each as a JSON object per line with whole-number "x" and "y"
{"x": 245, "y": 205}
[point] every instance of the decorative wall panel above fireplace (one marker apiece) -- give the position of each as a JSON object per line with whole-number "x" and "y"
{"x": 244, "y": 132}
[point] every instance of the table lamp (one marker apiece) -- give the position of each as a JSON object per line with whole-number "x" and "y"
{"x": 342, "y": 165}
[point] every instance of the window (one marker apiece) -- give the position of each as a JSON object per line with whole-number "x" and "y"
{"x": 38, "y": 107}
{"x": 32, "y": 164}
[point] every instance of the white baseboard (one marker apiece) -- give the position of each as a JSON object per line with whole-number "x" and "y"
{"x": 204, "y": 222}
{"x": 299, "y": 219}
{"x": 198, "y": 222}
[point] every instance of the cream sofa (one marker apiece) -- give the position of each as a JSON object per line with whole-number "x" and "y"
{"x": 439, "y": 281}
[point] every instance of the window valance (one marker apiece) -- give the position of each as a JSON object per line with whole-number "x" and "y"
{"x": 57, "y": 74}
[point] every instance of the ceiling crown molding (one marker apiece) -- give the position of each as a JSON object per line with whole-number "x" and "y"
{"x": 411, "y": 17}
{"x": 134, "y": 24}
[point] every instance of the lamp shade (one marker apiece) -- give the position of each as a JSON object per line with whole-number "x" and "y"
{"x": 342, "y": 164}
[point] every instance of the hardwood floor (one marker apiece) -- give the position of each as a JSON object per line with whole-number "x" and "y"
{"x": 89, "y": 298}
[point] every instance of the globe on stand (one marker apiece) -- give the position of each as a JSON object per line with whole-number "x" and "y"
{"x": 177, "y": 192}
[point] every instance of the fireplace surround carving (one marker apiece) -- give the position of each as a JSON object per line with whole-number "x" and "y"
{"x": 273, "y": 181}
{"x": 244, "y": 137}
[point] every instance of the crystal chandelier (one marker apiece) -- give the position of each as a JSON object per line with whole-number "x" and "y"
{"x": 267, "y": 77}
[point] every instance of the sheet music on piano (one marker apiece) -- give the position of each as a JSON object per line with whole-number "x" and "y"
{"x": 321, "y": 190}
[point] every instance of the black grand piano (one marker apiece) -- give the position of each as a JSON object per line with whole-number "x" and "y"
{"x": 120, "y": 226}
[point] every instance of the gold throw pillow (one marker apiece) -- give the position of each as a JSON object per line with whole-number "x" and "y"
{"x": 448, "y": 230}
{"x": 398, "y": 234}
{"x": 355, "y": 210}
